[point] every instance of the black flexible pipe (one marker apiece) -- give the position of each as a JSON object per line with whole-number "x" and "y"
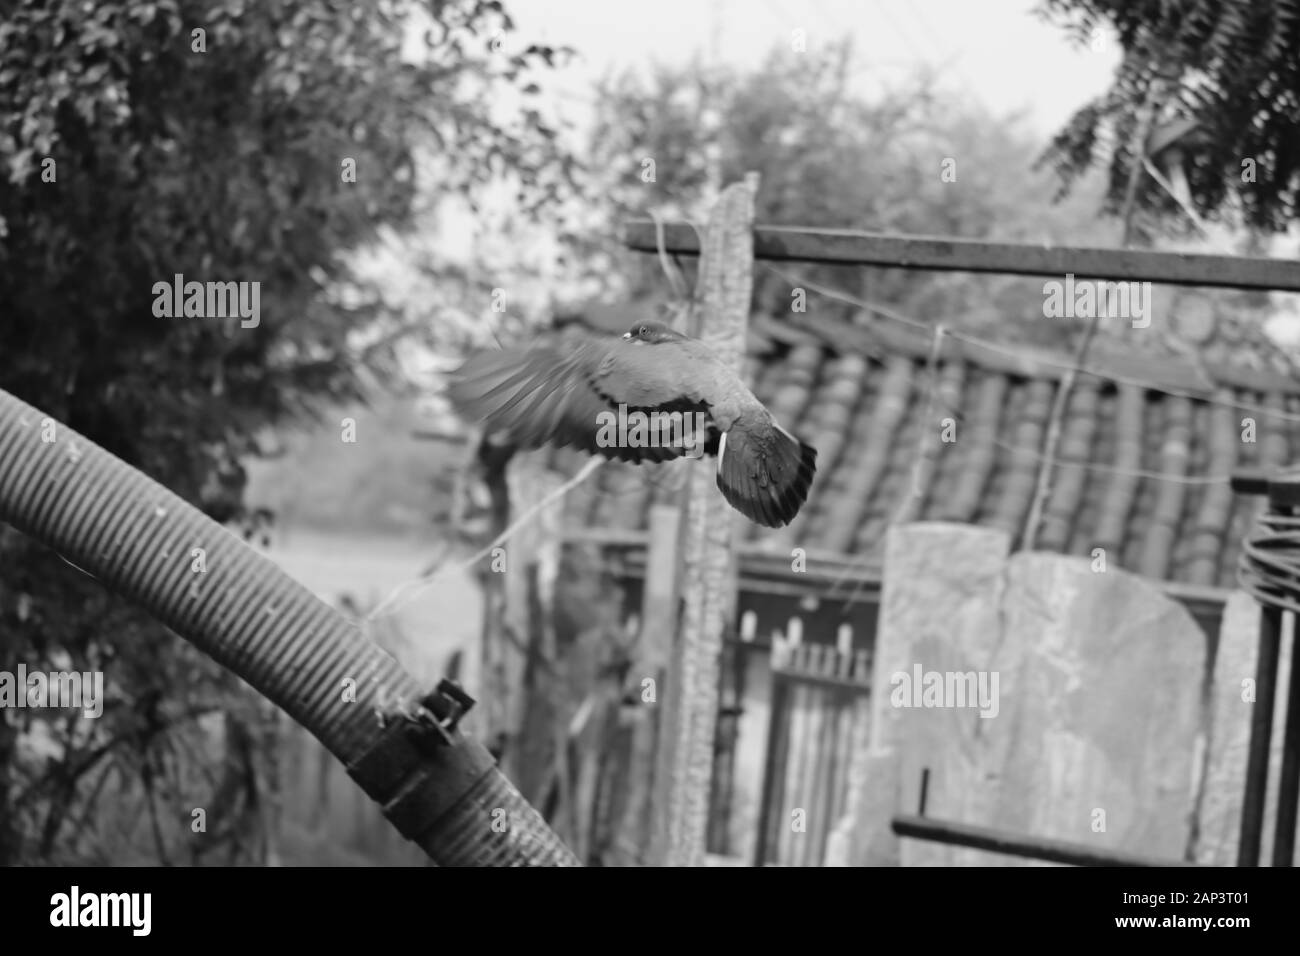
{"x": 441, "y": 789}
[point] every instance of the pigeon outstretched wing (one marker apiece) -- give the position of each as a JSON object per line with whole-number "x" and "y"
{"x": 681, "y": 396}
{"x": 546, "y": 395}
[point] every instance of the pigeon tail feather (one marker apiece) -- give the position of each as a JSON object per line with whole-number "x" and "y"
{"x": 764, "y": 472}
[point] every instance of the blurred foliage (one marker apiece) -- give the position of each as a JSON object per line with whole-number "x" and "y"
{"x": 206, "y": 139}
{"x": 829, "y": 157}
{"x": 1230, "y": 67}
{"x": 401, "y": 487}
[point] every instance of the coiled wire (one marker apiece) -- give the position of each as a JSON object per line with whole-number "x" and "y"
{"x": 1269, "y": 567}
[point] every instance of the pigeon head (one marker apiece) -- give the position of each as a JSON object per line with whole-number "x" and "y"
{"x": 652, "y": 333}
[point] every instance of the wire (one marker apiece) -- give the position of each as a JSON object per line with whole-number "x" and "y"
{"x": 1269, "y": 566}
{"x": 1109, "y": 469}
{"x": 952, "y": 61}
{"x": 960, "y": 417}
{"x": 901, "y": 33}
{"x": 1035, "y": 455}
{"x": 1043, "y": 488}
{"x": 672, "y": 271}
{"x": 398, "y": 598}
{"x": 1014, "y": 352}
{"x": 778, "y": 12}
{"x": 910, "y": 504}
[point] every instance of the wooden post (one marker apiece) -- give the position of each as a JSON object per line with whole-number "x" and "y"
{"x": 537, "y": 709}
{"x": 658, "y": 622}
{"x": 492, "y": 720}
{"x": 688, "y": 700}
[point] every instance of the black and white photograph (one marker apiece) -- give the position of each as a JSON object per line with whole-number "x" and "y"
{"x": 692, "y": 434}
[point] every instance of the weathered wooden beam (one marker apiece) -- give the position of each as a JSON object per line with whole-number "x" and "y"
{"x": 689, "y": 699}
{"x": 791, "y": 244}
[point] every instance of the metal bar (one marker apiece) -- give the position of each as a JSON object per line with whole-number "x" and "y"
{"x": 1288, "y": 785}
{"x": 1281, "y": 485}
{"x": 1250, "y": 481}
{"x": 1261, "y": 732}
{"x": 783, "y": 243}
{"x": 1015, "y": 844}
{"x": 849, "y": 684}
{"x": 731, "y": 696}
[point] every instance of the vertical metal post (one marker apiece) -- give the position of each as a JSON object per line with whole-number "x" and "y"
{"x": 1288, "y": 787}
{"x": 1261, "y": 734}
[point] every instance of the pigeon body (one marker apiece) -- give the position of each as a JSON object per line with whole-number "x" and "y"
{"x": 687, "y": 400}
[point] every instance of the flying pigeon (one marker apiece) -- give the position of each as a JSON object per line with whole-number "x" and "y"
{"x": 680, "y": 395}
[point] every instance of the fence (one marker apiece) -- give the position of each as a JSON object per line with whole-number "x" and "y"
{"x": 818, "y": 717}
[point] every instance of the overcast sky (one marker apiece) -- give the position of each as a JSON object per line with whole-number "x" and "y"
{"x": 996, "y": 51}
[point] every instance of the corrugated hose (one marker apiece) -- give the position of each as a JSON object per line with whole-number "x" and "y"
{"x": 441, "y": 789}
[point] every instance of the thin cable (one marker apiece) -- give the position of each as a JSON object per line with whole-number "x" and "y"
{"x": 863, "y": 559}
{"x": 923, "y": 445}
{"x": 1032, "y": 454}
{"x": 903, "y": 35}
{"x": 1055, "y": 418}
{"x": 423, "y": 582}
{"x": 672, "y": 272}
{"x": 1224, "y": 479}
{"x": 1014, "y": 352}
{"x": 1269, "y": 566}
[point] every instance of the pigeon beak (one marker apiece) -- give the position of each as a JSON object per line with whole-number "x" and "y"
{"x": 627, "y": 335}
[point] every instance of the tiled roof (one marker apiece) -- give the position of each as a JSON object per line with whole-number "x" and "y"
{"x": 861, "y": 393}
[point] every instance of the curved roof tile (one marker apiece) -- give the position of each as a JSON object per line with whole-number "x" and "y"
{"x": 861, "y": 395}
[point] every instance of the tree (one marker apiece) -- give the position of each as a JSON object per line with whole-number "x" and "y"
{"x": 246, "y": 142}
{"x": 1216, "y": 80}
{"x": 907, "y": 160}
